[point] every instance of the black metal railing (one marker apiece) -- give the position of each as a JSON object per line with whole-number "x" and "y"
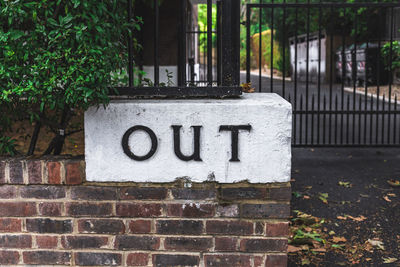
{"x": 335, "y": 68}
{"x": 219, "y": 77}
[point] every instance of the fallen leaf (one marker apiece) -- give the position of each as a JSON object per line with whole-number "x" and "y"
{"x": 323, "y": 197}
{"x": 319, "y": 250}
{"x": 387, "y": 199}
{"x": 391, "y": 195}
{"x": 389, "y": 260}
{"x": 394, "y": 183}
{"x": 332, "y": 233}
{"x": 293, "y": 249}
{"x": 357, "y": 219}
{"x": 345, "y": 184}
{"x": 246, "y": 87}
{"x": 341, "y": 218}
{"x": 376, "y": 243}
{"x": 337, "y": 246}
{"x": 305, "y": 262}
{"x": 338, "y": 239}
{"x": 306, "y": 197}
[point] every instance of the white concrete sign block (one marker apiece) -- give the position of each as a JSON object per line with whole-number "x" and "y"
{"x": 228, "y": 140}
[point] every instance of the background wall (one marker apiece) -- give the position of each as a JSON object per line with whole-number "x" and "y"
{"x": 51, "y": 216}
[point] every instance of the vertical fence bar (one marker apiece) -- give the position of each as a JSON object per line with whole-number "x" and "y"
{"x": 347, "y": 119}
{"x": 272, "y": 48}
{"x": 156, "y": 43}
{"x": 359, "y": 120}
{"x": 284, "y": 50}
{"x": 343, "y": 78}
{"x": 324, "y": 122}
{"x": 319, "y": 71}
{"x": 371, "y": 107}
{"x": 219, "y": 45}
{"x": 312, "y": 119}
{"x": 383, "y": 120}
{"x": 395, "y": 120}
{"x": 307, "y": 63}
{"x": 301, "y": 120}
{"x": 182, "y": 45}
{"x": 295, "y": 72}
{"x": 330, "y": 75}
{"x": 336, "y": 115}
{"x": 248, "y": 10}
{"x": 390, "y": 72}
{"x": 130, "y": 46}
{"x": 209, "y": 43}
{"x": 354, "y": 67}
{"x": 260, "y": 11}
{"x": 378, "y": 75}
{"x": 366, "y": 93}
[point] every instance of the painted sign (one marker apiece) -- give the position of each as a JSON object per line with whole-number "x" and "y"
{"x": 161, "y": 140}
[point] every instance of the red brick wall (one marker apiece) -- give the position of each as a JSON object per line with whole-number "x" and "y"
{"x": 50, "y": 216}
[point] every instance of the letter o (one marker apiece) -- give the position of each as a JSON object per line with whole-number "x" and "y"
{"x": 125, "y": 142}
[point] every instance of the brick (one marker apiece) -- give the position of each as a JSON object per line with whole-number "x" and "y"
{"x": 276, "y": 261}
{"x": 260, "y": 226}
{"x": 138, "y": 210}
{"x": 259, "y": 261}
{"x": 277, "y": 229}
{"x": 34, "y": 171}
{"x": 19, "y": 209}
{"x": 10, "y": 225}
{"x": 47, "y": 257}
{"x": 8, "y": 257}
{"x": 46, "y": 241}
{"x": 54, "y": 172}
{"x": 101, "y": 226}
{"x": 88, "y": 209}
{"x": 273, "y": 210}
{"x": 49, "y": 226}
{"x": 191, "y": 210}
{"x": 227, "y": 260}
{"x": 73, "y": 173}
{"x": 263, "y": 245}
{"x": 16, "y": 172}
{"x": 188, "y": 243}
{"x": 50, "y": 208}
{"x": 15, "y": 241}
{"x": 161, "y": 260}
{"x": 229, "y": 227}
{"x": 98, "y": 259}
{"x": 79, "y": 242}
{"x": 230, "y": 211}
{"x": 140, "y": 226}
{"x": 244, "y": 193}
{"x": 124, "y": 242}
{"x": 280, "y": 193}
{"x": 43, "y": 192}
{"x": 226, "y": 243}
{"x": 137, "y": 259}
{"x": 8, "y": 191}
{"x": 179, "y": 227}
{"x": 156, "y": 193}
{"x": 193, "y": 194}
{"x": 94, "y": 193}
{"x": 2, "y": 172}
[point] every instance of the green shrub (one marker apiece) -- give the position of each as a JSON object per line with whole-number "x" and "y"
{"x": 57, "y": 57}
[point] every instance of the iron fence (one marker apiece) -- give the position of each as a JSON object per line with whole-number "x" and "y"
{"x": 216, "y": 78}
{"x": 335, "y": 67}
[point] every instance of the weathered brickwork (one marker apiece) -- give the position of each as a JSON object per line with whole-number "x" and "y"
{"x": 49, "y": 215}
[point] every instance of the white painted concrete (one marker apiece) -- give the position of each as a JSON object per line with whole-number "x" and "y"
{"x": 264, "y": 153}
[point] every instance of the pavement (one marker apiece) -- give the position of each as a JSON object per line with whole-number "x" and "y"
{"x": 366, "y": 171}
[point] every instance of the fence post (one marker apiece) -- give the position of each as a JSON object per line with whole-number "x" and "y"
{"x": 230, "y": 35}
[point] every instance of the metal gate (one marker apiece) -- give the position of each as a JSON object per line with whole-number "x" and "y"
{"x": 336, "y": 63}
